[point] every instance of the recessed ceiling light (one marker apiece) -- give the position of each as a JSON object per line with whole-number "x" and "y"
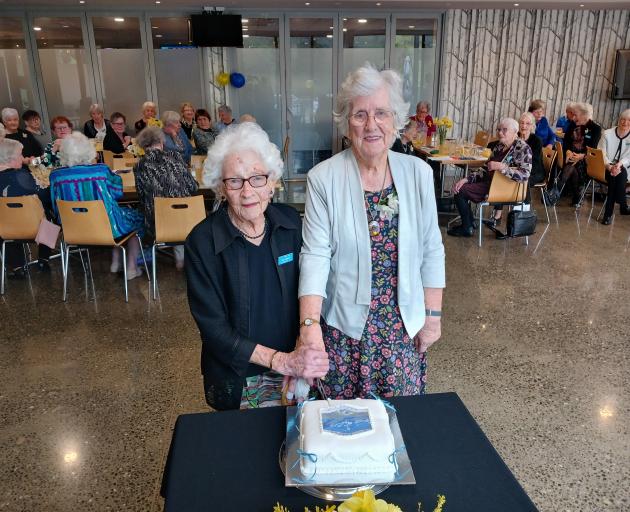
{"x": 37, "y": 29}
{"x": 65, "y": 26}
{"x": 155, "y": 27}
{"x": 329, "y": 36}
{"x": 378, "y": 4}
{"x": 17, "y": 45}
{"x": 158, "y": 35}
{"x": 307, "y": 3}
{"x": 158, "y": 2}
{"x": 119, "y": 20}
{"x": 345, "y": 30}
{"x": 245, "y": 20}
{"x": 245, "y": 29}
{"x": 81, "y": 1}
{"x": 362, "y": 20}
{"x": 516, "y": 5}
{"x": 245, "y": 35}
{"x": 331, "y": 28}
{"x": 412, "y": 26}
{"x": 345, "y": 19}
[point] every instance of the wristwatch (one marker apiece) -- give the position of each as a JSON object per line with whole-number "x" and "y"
{"x": 307, "y": 322}
{"x": 432, "y": 312}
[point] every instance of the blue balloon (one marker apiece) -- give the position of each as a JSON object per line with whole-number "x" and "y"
{"x": 237, "y": 80}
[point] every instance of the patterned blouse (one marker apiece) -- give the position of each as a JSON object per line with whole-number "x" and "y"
{"x": 518, "y": 156}
{"x": 203, "y": 139}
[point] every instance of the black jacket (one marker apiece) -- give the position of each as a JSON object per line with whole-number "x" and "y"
{"x": 591, "y": 137}
{"x": 538, "y": 169}
{"x": 90, "y": 131}
{"x": 31, "y": 146}
{"x": 112, "y": 142}
{"x": 218, "y": 280}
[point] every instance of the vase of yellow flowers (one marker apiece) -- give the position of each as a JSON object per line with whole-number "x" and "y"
{"x": 444, "y": 124}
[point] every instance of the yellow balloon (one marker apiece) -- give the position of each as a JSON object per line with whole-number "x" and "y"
{"x": 223, "y": 79}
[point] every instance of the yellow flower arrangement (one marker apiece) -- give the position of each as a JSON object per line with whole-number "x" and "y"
{"x": 444, "y": 124}
{"x": 152, "y": 121}
{"x": 364, "y": 501}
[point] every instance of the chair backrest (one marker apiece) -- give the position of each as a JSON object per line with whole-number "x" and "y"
{"x": 123, "y": 162}
{"x": 108, "y": 158}
{"x": 595, "y": 166}
{"x": 85, "y": 222}
{"x": 175, "y": 217}
{"x": 196, "y": 163}
{"x": 506, "y": 190}
{"x": 548, "y": 157}
{"x": 128, "y": 178}
{"x": 560, "y": 154}
{"x": 482, "y": 138}
{"x": 20, "y": 217}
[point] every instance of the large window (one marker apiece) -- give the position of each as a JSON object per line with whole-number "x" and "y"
{"x": 363, "y": 41}
{"x": 310, "y": 91}
{"x": 178, "y": 66}
{"x": 259, "y": 62}
{"x": 414, "y": 57}
{"x": 122, "y": 63}
{"x": 16, "y": 88}
{"x": 66, "y": 71}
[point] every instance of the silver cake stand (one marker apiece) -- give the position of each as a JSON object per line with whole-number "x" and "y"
{"x": 339, "y": 487}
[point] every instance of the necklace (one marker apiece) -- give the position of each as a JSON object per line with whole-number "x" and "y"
{"x": 373, "y": 225}
{"x": 251, "y": 237}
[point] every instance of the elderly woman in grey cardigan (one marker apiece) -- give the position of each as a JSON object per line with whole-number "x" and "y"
{"x": 372, "y": 263}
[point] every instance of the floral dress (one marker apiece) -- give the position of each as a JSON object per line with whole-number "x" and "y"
{"x": 385, "y": 360}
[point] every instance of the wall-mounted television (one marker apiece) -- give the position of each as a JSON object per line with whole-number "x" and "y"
{"x": 621, "y": 76}
{"x": 216, "y": 29}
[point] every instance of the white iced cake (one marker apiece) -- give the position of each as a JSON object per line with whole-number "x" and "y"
{"x": 346, "y": 437}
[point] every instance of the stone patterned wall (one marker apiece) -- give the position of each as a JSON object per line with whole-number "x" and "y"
{"x": 495, "y": 61}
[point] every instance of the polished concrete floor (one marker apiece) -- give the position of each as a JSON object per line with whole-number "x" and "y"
{"x": 534, "y": 341}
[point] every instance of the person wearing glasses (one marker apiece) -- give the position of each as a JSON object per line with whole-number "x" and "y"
{"x": 61, "y": 128}
{"x": 511, "y": 156}
{"x": 160, "y": 173}
{"x": 116, "y": 139}
{"x": 242, "y": 274}
{"x": 372, "y": 263}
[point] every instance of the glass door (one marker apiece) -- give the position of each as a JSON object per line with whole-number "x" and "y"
{"x": 364, "y": 41}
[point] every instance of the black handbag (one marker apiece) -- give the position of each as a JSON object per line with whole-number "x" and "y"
{"x": 521, "y": 223}
{"x": 551, "y": 196}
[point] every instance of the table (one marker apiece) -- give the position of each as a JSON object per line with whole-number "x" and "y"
{"x": 228, "y": 461}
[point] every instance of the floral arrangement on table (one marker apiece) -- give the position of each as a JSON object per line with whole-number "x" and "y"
{"x": 134, "y": 149}
{"x": 152, "y": 121}
{"x": 444, "y": 124}
{"x": 364, "y": 501}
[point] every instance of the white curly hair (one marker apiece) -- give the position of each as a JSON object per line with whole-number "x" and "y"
{"x": 365, "y": 81}
{"x": 76, "y": 149}
{"x": 236, "y": 138}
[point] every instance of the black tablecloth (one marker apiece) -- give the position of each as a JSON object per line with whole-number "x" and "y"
{"x": 228, "y": 461}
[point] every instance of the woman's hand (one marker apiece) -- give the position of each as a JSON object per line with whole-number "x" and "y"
{"x": 496, "y": 166}
{"x": 56, "y": 145}
{"x": 304, "y": 361}
{"x": 126, "y": 140}
{"x": 457, "y": 187}
{"x": 429, "y": 334}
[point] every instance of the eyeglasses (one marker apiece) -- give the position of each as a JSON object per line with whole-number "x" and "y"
{"x": 257, "y": 181}
{"x": 503, "y": 130}
{"x": 361, "y": 117}
{"x": 118, "y": 123}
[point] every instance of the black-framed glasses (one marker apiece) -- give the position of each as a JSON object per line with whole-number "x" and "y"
{"x": 361, "y": 117}
{"x": 257, "y": 181}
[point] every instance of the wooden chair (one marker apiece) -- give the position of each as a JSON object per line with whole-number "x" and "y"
{"x": 86, "y": 223}
{"x": 549, "y": 158}
{"x": 20, "y": 218}
{"x": 503, "y": 191}
{"x": 128, "y": 179}
{"x": 196, "y": 164}
{"x": 108, "y": 158}
{"x": 482, "y": 138}
{"x": 123, "y": 162}
{"x": 175, "y": 217}
{"x": 559, "y": 155}
{"x": 596, "y": 171}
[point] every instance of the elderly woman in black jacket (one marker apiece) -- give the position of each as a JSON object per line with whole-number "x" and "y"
{"x": 584, "y": 133}
{"x": 242, "y": 273}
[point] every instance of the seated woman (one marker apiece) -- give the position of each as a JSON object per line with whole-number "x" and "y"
{"x": 526, "y": 124}
{"x": 30, "y": 146}
{"x": 33, "y": 123}
{"x": 242, "y": 272}
{"x": 80, "y": 179}
{"x": 423, "y": 119}
{"x": 187, "y": 112}
{"x": 175, "y": 138}
{"x": 61, "y": 128}
{"x": 149, "y": 111}
{"x": 403, "y": 144}
{"x": 615, "y": 145}
{"x": 160, "y": 173}
{"x": 16, "y": 181}
{"x": 584, "y": 133}
{"x": 116, "y": 140}
{"x": 543, "y": 130}
{"x": 511, "y": 157}
{"x": 97, "y": 126}
{"x": 203, "y": 134}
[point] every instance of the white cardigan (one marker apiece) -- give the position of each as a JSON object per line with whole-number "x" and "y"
{"x": 609, "y": 142}
{"x": 335, "y": 261}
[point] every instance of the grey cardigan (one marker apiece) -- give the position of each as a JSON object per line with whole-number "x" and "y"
{"x": 335, "y": 261}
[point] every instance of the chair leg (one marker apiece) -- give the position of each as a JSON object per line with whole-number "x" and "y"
{"x": 65, "y": 275}
{"x": 584, "y": 192}
{"x": 27, "y": 258}
{"x": 154, "y": 268}
{"x": 480, "y": 222}
{"x": 144, "y": 261}
{"x": 124, "y": 257}
{"x": 602, "y": 208}
{"x": 4, "y": 271}
{"x": 542, "y": 196}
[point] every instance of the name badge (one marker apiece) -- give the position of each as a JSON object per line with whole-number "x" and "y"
{"x": 286, "y": 258}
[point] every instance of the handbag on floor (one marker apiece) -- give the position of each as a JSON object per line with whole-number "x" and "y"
{"x": 521, "y": 223}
